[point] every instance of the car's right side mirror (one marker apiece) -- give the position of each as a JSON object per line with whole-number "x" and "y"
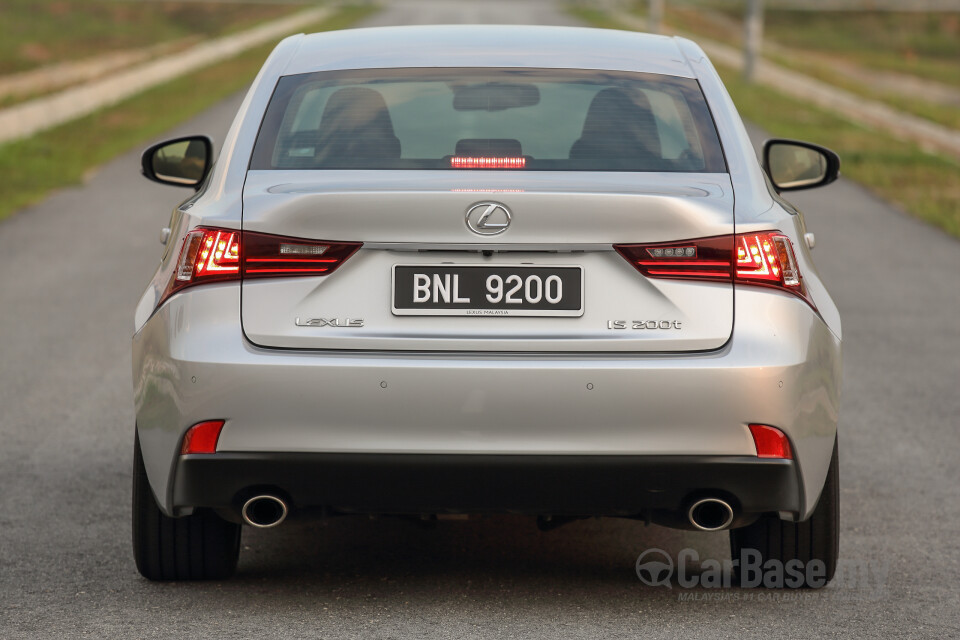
{"x": 793, "y": 165}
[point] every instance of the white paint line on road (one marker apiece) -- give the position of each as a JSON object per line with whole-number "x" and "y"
{"x": 25, "y": 119}
{"x": 73, "y": 72}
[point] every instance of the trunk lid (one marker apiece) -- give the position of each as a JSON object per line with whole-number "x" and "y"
{"x": 559, "y": 221}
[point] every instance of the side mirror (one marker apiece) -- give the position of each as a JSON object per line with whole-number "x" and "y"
{"x": 183, "y": 162}
{"x": 793, "y": 165}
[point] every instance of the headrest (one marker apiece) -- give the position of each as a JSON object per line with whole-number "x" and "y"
{"x": 489, "y": 148}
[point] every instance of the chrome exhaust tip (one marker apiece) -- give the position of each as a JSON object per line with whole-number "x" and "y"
{"x": 710, "y": 514}
{"x": 264, "y": 511}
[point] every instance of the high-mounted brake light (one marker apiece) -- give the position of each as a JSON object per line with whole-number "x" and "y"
{"x": 202, "y": 437}
{"x": 218, "y": 255}
{"x": 771, "y": 442}
{"x": 763, "y": 258}
{"x": 464, "y": 162}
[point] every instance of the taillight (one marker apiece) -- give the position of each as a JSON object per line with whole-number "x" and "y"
{"x": 270, "y": 256}
{"x": 218, "y": 255}
{"x": 702, "y": 259}
{"x": 763, "y": 258}
{"x": 767, "y": 257}
{"x": 209, "y": 255}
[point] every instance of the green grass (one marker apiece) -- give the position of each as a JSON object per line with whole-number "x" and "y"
{"x": 925, "y": 45}
{"x": 916, "y": 43}
{"x": 594, "y": 17}
{"x": 925, "y": 185}
{"x": 948, "y": 116}
{"x": 40, "y": 32}
{"x": 60, "y": 157}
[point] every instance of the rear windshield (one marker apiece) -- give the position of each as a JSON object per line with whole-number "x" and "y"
{"x": 517, "y": 119}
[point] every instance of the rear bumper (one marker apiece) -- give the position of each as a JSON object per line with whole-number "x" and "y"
{"x": 781, "y": 367}
{"x": 639, "y": 486}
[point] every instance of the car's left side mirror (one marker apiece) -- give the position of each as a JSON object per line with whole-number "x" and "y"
{"x": 182, "y": 162}
{"x": 793, "y": 165}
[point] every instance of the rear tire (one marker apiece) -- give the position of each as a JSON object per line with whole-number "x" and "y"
{"x": 796, "y": 544}
{"x": 202, "y": 546}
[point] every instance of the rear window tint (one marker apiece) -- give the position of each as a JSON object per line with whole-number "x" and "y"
{"x": 518, "y": 119}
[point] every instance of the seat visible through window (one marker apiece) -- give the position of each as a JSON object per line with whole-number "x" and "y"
{"x": 355, "y": 125}
{"x": 619, "y": 127}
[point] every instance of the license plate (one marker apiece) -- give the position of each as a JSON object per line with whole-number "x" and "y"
{"x": 480, "y": 290}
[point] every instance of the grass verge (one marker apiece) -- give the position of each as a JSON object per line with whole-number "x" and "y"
{"x": 925, "y": 44}
{"x": 862, "y": 46}
{"x": 918, "y": 43}
{"x": 925, "y": 185}
{"x": 948, "y": 116}
{"x": 40, "y": 32}
{"x": 62, "y": 156}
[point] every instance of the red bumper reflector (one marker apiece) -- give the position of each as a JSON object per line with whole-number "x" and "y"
{"x": 202, "y": 437}
{"x": 771, "y": 442}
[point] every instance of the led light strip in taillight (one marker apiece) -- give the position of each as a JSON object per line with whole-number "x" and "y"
{"x": 702, "y": 259}
{"x": 764, "y": 258}
{"x": 209, "y": 255}
{"x": 269, "y": 256}
{"x": 218, "y": 255}
{"x": 767, "y": 256}
{"x": 767, "y": 259}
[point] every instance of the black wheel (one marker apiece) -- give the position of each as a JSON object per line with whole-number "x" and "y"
{"x": 804, "y": 553}
{"x": 202, "y": 546}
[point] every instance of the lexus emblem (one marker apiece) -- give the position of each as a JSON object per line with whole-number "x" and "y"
{"x": 488, "y": 218}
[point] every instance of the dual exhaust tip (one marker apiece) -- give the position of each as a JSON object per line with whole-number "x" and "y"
{"x": 710, "y": 514}
{"x": 264, "y": 511}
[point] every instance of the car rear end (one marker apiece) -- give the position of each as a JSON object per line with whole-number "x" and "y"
{"x": 488, "y": 289}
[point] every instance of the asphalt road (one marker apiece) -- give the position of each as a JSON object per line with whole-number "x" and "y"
{"x": 72, "y": 268}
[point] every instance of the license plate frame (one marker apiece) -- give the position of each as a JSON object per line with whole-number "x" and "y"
{"x": 570, "y": 305}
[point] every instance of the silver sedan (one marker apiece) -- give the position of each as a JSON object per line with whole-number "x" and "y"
{"x": 462, "y": 270}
